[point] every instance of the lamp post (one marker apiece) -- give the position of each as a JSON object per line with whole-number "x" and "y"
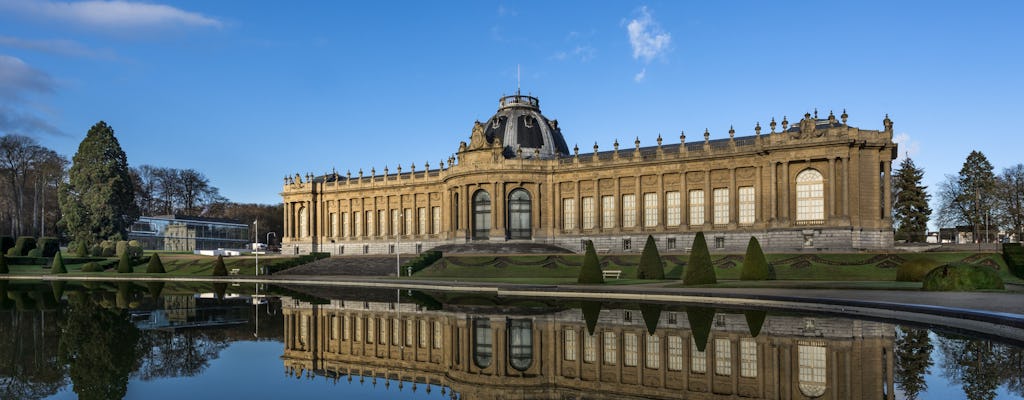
{"x": 398, "y": 242}
{"x": 256, "y": 223}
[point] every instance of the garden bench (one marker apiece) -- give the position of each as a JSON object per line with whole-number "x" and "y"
{"x": 612, "y": 273}
{"x": 603, "y": 250}
{"x": 233, "y": 271}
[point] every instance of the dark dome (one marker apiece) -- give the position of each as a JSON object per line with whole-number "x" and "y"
{"x": 522, "y": 127}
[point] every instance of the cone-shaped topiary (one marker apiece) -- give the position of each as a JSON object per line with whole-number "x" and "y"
{"x": 591, "y": 312}
{"x": 651, "y": 314}
{"x": 81, "y": 250}
{"x": 755, "y": 265}
{"x": 57, "y": 287}
{"x": 124, "y": 295}
{"x": 755, "y": 320}
{"x": 3, "y": 265}
{"x": 651, "y": 266}
{"x": 218, "y": 267}
{"x": 155, "y": 265}
{"x": 700, "y": 324}
{"x": 220, "y": 290}
{"x": 154, "y": 289}
{"x": 58, "y": 265}
{"x": 591, "y": 270}
{"x": 699, "y": 269}
{"x": 124, "y": 266}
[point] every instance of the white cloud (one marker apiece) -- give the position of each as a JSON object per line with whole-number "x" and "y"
{"x": 55, "y": 46}
{"x": 116, "y": 14}
{"x": 17, "y": 77}
{"x": 646, "y": 37}
{"x": 907, "y": 146}
{"x": 639, "y": 77}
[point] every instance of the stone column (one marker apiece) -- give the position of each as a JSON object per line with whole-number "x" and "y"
{"x": 709, "y": 200}
{"x": 774, "y": 196}
{"x": 734, "y": 199}
{"x": 846, "y": 187}
{"x": 785, "y": 191}
{"x": 831, "y": 187}
{"x": 887, "y": 188}
{"x": 758, "y": 195}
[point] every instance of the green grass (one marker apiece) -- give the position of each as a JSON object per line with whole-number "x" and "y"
{"x": 176, "y": 264}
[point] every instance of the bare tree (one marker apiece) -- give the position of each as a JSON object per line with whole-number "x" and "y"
{"x": 29, "y": 172}
{"x": 1010, "y": 208}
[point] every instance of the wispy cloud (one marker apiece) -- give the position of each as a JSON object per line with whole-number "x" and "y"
{"x": 639, "y": 77}
{"x": 583, "y": 53}
{"x": 908, "y": 146}
{"x": 109, "y": 15}
{"x": 14, "y": 122}
{"x": 18, "y": 78}
{"x": 56, "y": 46}
{"x": 646, "y": 37}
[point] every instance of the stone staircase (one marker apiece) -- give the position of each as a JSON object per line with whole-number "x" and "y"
{"x": 349, "y": 265}
{"x": 501, "y": 248}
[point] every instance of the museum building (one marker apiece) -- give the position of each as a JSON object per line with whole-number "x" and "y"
{"x": 817, "y": 184}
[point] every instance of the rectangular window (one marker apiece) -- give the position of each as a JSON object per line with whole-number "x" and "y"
{"x": 396, "y": 331}
{"x": 569, "y": 344}
{"x": 334, "y": 225}
{"x": 611, "y": 348}
{"x": 371, "y": 331}
{"x": 607, "y": 211}
{"x": 424, "y": 334}
{"x": 723, "y": 357}
{"x": 629, "y": 347}
{"x": 359, "y": 329}
{"x": 650, "y": 209}
{"x": 675, "y": 353}
{"x": 627, "y": 244}
{"x": 746, "y": 205}
{"x": 346, "y": 328}
{"x": 811, "y": 359}
{"x": 344, "y": 225}
{"x": 370, "y": 231}
{"x": 628, "y": 210}
{"x": 404, "y": 229}
{"x": 748, "y": 358}
{"x": 382, "y": 337}
{"x": 698, "y": 359}
{"x": 670, "y": 243}
{"x": 653, "y": 356}
{"x": 589, "y": 348}
{"x": 358, "y": 217}
{"x": 421, "y": 221}
{"x": 396, "y": 222}
{"x": 437, "y": 334}
{"x": 410, "y": 332}
{"x": 719, "y": 242}
{"x": 696, "y": 207}
{"x": 335, "y": 327}
{"x": 588, "y": 213}
{"x": 673, "y": 213}
{"x": 435, "y": 220}
{"x": 568, "y": 214}
{"x": 721, "y": 196}
{"x": 382, "y": 223}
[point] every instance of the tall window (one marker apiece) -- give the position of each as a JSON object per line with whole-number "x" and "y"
{"x": 588, "y": 213}
{"x": 334, "y": 225}
{"x": 369, "y": 224}
{"x": 812, "y": 369}
{"x": 698, "y": 359}
{"x": 421, "y": 221}
{"x": 568, "y": 214}
{"x": 519, "y": 214}
{"x": 396, "y": 222}
{"x": 359, "y": 329}
{"x": 723, "y": 357}
{"x": 481, "y": 215}
{"x": 810, "y": 196}
{"x": 748, "y": 358}
{"x": 371, "y": 331}
{"x": 589, "y": 348}
{"x": 611, "y": 348}
{"x": 653, "y": 357}
{"x": 382, "y": 222}
{"x": 569, "y": 344}
{"x": 437, "y": 334}
{"x": 629, "y": 348}
{"x": 520, "y": 343}
{"x": 628, "y": 210}
{"x": 344, "y": 225}
{"x": 696, "y": 207}
{"x": 424, "y": 333}
{"x": 303, "y": 226}
{"x": 382, "y": 337}
{"x": 346, "y": 328}
{"x": 482, "y": 350}
{"x": 396, "y": 331}
{"x": 650, "y": 209}
{"x": 746, "y": 205}
{"x": 607, "y": 211}
{"x": 435, "y": 220}
{"x": 721, "y": 196}
{"x": 675, "y": 353}
{"x": 358, "y": 217}
{"x": 410, "y": 332}
{"x": 404, "y": 229}
{"x": 672, "y": 211}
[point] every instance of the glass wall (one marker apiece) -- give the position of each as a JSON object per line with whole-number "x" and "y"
{"x": 179, "y": 234}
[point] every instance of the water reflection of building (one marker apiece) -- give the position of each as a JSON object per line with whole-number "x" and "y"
{"x": 496, "y": 354}
{"x": 194, "y": 311}
{"x": 185, "y": 233}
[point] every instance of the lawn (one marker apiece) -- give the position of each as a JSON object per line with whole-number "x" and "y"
{"x": 176, "y": 264}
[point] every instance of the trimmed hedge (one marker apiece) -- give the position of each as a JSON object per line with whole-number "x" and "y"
{"x": 3, "y": 266}
{"x": 218, "y": 267}
{"x": 22, "y": 246}
{"x": 297, "y": 261}
{"x": 58, "y": 265}
{"x": 699, "y": 269}
{"x": 424, "y": 260}
{"x": 155, "y": 265}
{"x": 591, "y": 271}
{"x": 755, "y": 265}
{"x": 651, "y": 266}
{"x": 962, "y": 277}
{"x": 914, "y": 270}
{"x": 1013, "y": 253}
{"x": 49, "y": 245}
{"x": 124, "y": 265}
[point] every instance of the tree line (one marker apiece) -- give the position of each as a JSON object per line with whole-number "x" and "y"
{"x": 97, "y": 196}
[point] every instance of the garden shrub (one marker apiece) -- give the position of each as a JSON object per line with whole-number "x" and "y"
{"x": 218, "y": 267}
{"x": 755, "y": 265}
{"x": 590, "y": 272}
{"x": 58, "y": 265}
{"x": 651, "y": 266}
{"x": 107, "y": 251}
{"x": 35, "y": 253}
{"x": 699, "y": 269}
{"x": 155, "y": 265}
{"x": 91, "y": 266}
{"x": 22, "y": 246}
{"x": 700, "y": 319}
{"x": 124, "y": 264}
{"x": 81, "y": 250}
{"x": 1013, "y": 253}
{"x": 6, "y": 242}
{"x": 96, "y": 251}
{"x": 422, "y": 261}
{"x": 134, "y": 251}
{"x": 914, "y": 270}
{"x": 49, "y": 245}
{"x": 962, "y": 277}
{"x": 120, "y": 247}
{"x": 591, "y": 313}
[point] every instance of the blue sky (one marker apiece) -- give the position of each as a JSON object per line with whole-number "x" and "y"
{"x": 248, "y": 92}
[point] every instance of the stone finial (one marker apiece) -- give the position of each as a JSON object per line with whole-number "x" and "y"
{"x": 373, "y": 171}
{"x": 815, "y": 112}
{"x": 348, "y": 174}
{"x": 659, "y": 140}
{"x": 595, "y": 147}
{"x": 576, "y": 150}
{"x": 519, "y": 152}
{"x": 385, "y": 172}
{"x": 637, "y": 142}
{"x": 831, "y": 117}
{"x": 707, "y": 136}
{"x": 887, "y": 123}
{"x": 616, "y": 145}
{"x": 844, "y": 116}
{"x": 757, "y": 128}
{"x": 772, "y": 125}
{"x": 413, "y": 168}
{"x": 682, "y": 137}
{"x": 536, "y": 153}
{"x": 426, "y": 165}
{"x": 441, "y": 165}
{"x": 785, "y": 123}
{"x": 360, "y": 173}
{"x": 732, "y": 132}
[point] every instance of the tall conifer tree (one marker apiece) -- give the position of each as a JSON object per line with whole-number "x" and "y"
{"x": 98, "y": 201}
{"x": 910, "y": 205}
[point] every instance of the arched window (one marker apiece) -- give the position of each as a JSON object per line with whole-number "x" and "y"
{"x": 812, "y": 369}
{"x": 519, "y": 210}
{"x": 481, "y": 215}
{"x": 520, "y": 343}
{"x": 482, "y": 342}
{"x": 810, "y": 196}
{"x": 303, "y": 224}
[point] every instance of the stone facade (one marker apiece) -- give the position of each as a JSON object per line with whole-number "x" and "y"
{"x": 818, "y": 185}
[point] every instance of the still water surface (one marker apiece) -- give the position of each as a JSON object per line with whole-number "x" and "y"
{"x": 171, "y": 341}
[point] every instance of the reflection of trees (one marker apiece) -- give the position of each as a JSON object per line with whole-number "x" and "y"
{"x": 100, "y": 347}
{"x": 28, "y": 363}
{"x": 179, "y": 353}
{"x": 981, "y": 366}
{"x": 913, "y": 357}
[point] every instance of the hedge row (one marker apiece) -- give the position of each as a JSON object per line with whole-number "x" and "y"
{"x": 297, "y": 261}
{"x": 1013, "y": 253}
{"x": 424, "y": 260}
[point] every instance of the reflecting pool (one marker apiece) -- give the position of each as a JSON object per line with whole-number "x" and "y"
{"x": 66, "y": 340}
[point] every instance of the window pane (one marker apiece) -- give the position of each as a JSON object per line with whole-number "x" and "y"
{"x": 721, "y": 211}
{"x": 675, "y": 353}
{"x": 748, "y": 358}
{"x": 588, "y": 213}
{"x": 672, "y": 212}
{"x": 630, "y": 349}
{"x": 608, "y": 211}
{"x": 698, "y": 359}
{"x": 611, "y": 348}
{"x": 723, "y": 357}
{"x": 696, "y": 207}
{"x": 810, "y": 196}
{"x": 653, "y": 357}
{"x": 650, "y": 209}
{"x": 568, "y": 214}
{"x": 746, "y": 205}
{"x": 569, "y": 344}
{"x": 628, "y": 210}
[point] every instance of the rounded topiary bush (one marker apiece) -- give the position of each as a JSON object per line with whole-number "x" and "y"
{"x": 914, "y": 270}
{"x": 91, "y": 267}
{"x": 962, "y": 277}
{"x": 37, "y": 252}
{"x": 96, "y": 251}
{"x": 106, "y": 251}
